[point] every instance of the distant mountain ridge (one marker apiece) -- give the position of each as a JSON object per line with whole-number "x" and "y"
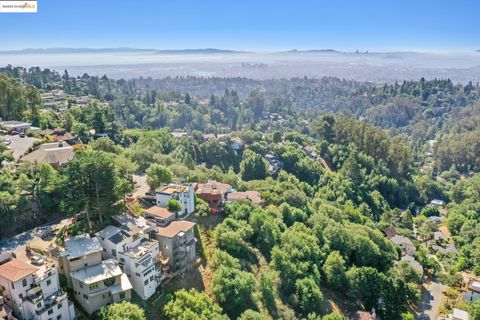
{"x": 65, "y": 50}
{"x": 190, "y": 51}
{"x": 111, "y": 50}
{"x": 73, "y": 50}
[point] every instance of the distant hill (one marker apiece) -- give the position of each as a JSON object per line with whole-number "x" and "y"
{"x": 197, "y": 51}
{"x": 312, "y": 51}
{"x": 109, "y": 50}
{"x": 73, "y": 50}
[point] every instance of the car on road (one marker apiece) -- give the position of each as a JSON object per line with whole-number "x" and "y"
{"x": 47, "y": 235}
{"x": 7, "y": 141}
{"x": 37, "y": 260}
{"x": 22, "y": 135}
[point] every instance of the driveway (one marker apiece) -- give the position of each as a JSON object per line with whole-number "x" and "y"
{"x": 19, "y": 145}
{"x": 431, "y": 301}
{"x": 141, "y": 186}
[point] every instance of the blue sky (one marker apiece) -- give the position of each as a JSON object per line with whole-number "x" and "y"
{"x": 425, "y": 25}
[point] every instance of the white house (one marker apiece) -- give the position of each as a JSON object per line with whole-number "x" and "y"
{"x": 136, "y": 254}
{"x": 81, "y": 252}
{"x": 459, "y": 314}
{"x": 19, "y": 126}
{"x": 100, "y": 285}
{"x": 95, "y": 283}
{"x": 185, "y": 194}
{"x": 33, "y": 292}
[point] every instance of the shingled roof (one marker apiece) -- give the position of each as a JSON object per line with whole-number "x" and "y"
{"x": 51, "y": 153}
{"x": 174, "y": 228}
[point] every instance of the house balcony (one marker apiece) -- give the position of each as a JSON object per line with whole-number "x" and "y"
{"x": 51, "y": 301}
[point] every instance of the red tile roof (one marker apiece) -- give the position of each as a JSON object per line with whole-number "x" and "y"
{"x": 15, "y": 270}
{"x": 390, "y": 232}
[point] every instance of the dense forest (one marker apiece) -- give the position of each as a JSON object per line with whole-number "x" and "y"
{"x": 318, "y": 237}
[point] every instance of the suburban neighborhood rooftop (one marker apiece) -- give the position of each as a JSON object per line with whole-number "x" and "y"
{"x": 107, "y": 269}
{"x": 174, "y": 228}
{"x": 160, "y": 212}
{"x": 81, "y": 245}
{"x": 15, "y": 270}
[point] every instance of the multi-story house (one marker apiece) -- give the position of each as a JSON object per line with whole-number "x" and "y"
{"x": 137, "y": 256}
{"x": 183, "y": 193}
{"x": 6, "y": 312}
{"x": 128, "y": 221}
{"x": 177, "y": 243}
{"x": 102, "y": 284}
{"x": 213, "y": 192}
{"x": 95, "y": 283}
{"x": 33, "y": 292}
{"x": 81, "y": 252}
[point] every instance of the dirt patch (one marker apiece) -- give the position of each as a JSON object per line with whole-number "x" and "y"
{"x": 444, "y": 230}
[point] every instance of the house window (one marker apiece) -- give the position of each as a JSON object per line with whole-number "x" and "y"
{"x": 81, "y": 286}
{"x": 50, "y": 311}
{"x": 146, "y": 282}
{"x": 24, "y": 282}
{"x": 59, "y": 317}
{"x": 93, "y": 286}
{"x": 109, "y": 282}
{"x": 39, "y": 305}
{"x": 13, "y": 287}
{"x": 114, "y": 252}
{"x": 49, "y": 282}
{"x": 85, "y": 296}
{"x": 122, "y": 295}
{"x": 59, "y": 306}
{"x": 20, "y": 296}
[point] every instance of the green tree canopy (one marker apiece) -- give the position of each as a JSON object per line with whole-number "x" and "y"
{"x": 122, "y": 311}
{"x": 192, "y": 305}
{"x": 158, "y": 175}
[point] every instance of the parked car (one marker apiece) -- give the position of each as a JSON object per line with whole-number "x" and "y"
{"x": 47, "y": 235}
{"x": 37, "y": 260}
{"x": 22, "y": 135}
{"x": 7, "y": 141}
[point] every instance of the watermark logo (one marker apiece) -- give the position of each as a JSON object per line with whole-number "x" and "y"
{"x": 10, "y": 6}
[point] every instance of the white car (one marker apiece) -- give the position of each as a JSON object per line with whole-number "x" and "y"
{"x": 7, "y": 141}
{"x": 37, "y": 260}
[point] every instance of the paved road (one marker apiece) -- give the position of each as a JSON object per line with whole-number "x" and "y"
{"x": 22, "y": 239}
{"x": 431, "y": 302}
{"x": 20, "y": 145}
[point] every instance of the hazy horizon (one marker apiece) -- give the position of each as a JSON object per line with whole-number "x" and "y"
{"x": 375, "y": 67}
